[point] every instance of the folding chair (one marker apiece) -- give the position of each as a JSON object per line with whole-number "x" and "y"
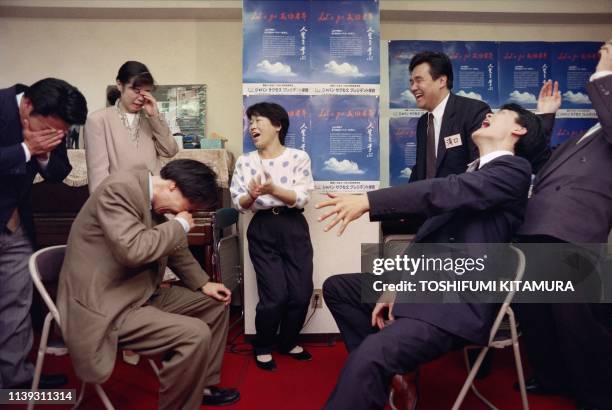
{"x": 226, "y": 254}
{"x": 45, "y": 266}
{"x": 495, "y": 341}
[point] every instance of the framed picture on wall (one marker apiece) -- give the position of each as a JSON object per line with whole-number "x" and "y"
{"x": 183, "y": 106}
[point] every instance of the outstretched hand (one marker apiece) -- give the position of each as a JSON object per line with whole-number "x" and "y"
{"x": 346, "y": 208}
{"x": 549, "y": 100}
{"x": 605, "y": 57}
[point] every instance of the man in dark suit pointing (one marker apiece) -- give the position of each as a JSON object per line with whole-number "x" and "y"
{"x": 482, "y": 206}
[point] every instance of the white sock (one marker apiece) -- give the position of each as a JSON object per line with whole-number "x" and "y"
{"x": 297, "y": 349}
{"x": 264, "y": 358}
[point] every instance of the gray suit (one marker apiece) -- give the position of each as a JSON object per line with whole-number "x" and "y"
{"x": 572, "y": 193}
{"x": 569, "y": 349}
{"x": 108, "y": 295}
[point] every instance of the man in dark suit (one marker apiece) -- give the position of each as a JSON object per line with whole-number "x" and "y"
{"x": 569, "y": 348}
{"x": 33, "y": 122}
{"x": 444, "y": 143}
{"x": 483, "y": 206}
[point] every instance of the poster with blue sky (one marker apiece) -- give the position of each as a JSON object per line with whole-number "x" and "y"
{"x": 400, "y": 54}
{"x": 524, "y": 66}
{"x": 573, "y": 64}
{"x": 302, "y": 41}
{"x": 320, "y": 60}
{"x": 298, "y": 108}
{"x": 497, "y": 73}
{"x": 345, "y": 42}
{"x": 276, "y": 41}
{"x": 474, "y": 69}
{"x": 345, "y": 141}
{"x": 402, "y": 149}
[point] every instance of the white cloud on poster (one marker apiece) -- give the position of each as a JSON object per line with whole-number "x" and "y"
{"x": 342, "y": 167}
{"x": 470, "y": 94}
{"x": 342, "y": 70}
{"x": 277, "y": 69}
{"x": 576, "y": 98}
{"x": 406, "y": 172}
{"x": 408, "y": 96}
{"x": 522, "y": 98}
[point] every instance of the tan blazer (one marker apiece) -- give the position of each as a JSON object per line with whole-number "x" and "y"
{"x": 115, "y": 259}
{"x": 108, "y": 147}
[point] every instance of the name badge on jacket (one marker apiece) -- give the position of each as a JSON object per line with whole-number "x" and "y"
{"x": 453, "y": 141}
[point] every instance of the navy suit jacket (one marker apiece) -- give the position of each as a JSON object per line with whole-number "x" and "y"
{"x": 461, "y": 116}
{"x": 572, "y": 193}
{"x": 484, "y": 206}
{"x": 16, "y": 175}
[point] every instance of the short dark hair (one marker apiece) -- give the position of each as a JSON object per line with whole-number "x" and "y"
{"x": 533, "y": 144}
{"x": 51, "y": 97}
{"x": 275, "y": 113}
{"x": 439, "y": 64}
{"x": 196, "y": 181}
{"x": 130, "y": 70}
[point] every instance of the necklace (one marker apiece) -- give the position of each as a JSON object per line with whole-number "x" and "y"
{"x": 132, "y": 129}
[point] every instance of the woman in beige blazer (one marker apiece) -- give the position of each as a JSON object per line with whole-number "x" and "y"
{"x": 130, "y": 132}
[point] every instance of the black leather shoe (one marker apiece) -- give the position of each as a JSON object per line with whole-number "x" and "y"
{"x": 533, "y": 386}
{"x": 269, "y": 366}
{"x": 302, "y": 356}
{"x": 216, "y": 396}
{"x": 47, "y": 381}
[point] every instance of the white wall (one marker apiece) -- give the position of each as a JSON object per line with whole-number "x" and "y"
{"x": 88, "y": 53}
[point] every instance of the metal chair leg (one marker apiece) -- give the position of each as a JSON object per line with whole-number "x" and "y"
{"x": 107, "y": 403}
{"x": 42, "y": 349}
{"x": 81, "y": 396}
{"x": 154, "y": 367}
{"x": 469, "y": 382}
{"x": 517, "y": 359}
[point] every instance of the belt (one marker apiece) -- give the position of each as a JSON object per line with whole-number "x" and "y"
{"x": 279, "y": 210}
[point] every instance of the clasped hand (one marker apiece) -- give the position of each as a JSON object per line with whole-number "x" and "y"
{"x": 257, "y": 187}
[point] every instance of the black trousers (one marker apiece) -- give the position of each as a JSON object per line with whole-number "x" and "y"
{"x": 281, "y": 252}
{"x": 376, "y": 356}
{"x": 569, "y": 348}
